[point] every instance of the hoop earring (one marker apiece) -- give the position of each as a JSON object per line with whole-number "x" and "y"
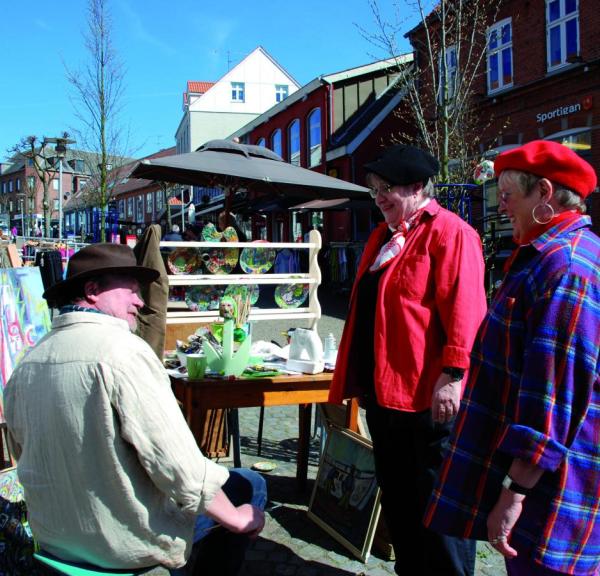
{"x": 544, "y": 206}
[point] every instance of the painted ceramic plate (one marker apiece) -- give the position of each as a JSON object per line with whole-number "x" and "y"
{"x": 210, "y": 233}
{"x": 291, "y": 295}
{"x": 202, "y": 298}
{"x": 257, "y": 260}
{"x": 251, "y": 289}
{"x": 221, "y": 260}
{"x": 264, "y": 466}
{"x": 183, "y": 261}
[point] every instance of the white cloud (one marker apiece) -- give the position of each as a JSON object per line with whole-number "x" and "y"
{"x": 42, "y": 24}
{"x": 139, "y": 31}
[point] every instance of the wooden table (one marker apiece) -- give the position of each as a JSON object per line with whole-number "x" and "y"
{"x": 197, "y": 396}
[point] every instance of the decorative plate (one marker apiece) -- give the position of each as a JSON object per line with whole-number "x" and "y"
{"x": 264, "y": 466}
{"x": 210, "y": 233}
{"x": 291, "y": 295}
{"x": 257, "y": 260}
{"x": 202, "y": 298}
{"x": 183, "y": 261}
{"x": 242, "y": 289}
{"x": 220, "y": 260}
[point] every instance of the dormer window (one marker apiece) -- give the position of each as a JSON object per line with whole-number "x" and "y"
{"x": 238, "y": 92}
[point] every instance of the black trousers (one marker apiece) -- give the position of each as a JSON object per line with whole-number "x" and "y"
{"x": 408, "y": 449}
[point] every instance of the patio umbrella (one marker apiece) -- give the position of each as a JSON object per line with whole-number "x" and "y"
{"x": 236, "y": 167}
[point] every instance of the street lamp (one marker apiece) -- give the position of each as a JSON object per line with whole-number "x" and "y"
{"x": 60, "y": 147}
{"x": 21, "y": 196}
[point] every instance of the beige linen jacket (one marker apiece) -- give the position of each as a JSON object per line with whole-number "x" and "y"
{"x": 111, "y": 471}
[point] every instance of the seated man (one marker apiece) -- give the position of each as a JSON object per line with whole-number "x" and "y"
{"x": 112, "y": 474}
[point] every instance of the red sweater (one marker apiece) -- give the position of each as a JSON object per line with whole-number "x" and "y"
{"x": 430, "y": 303}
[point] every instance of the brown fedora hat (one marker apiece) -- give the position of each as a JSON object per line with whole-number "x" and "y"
{"x": 97, "y": 259}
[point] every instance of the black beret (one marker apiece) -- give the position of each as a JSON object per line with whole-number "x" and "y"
{"x": 403, "y": 164}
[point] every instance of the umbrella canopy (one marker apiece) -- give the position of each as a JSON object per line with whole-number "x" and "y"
{"x": 238, "y": 166}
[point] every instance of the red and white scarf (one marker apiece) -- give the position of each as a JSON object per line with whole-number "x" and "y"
{"x": 394, "y": 245}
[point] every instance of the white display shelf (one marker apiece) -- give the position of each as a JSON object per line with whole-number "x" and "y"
{"x": 179, "y": 313}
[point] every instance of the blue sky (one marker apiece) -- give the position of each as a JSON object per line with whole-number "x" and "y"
{"x": 163, "y": 44}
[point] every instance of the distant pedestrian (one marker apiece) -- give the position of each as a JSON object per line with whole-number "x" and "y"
{"x": 174, "y": 235}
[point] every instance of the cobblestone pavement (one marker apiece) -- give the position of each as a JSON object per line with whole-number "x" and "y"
{"x": 291, "y": 544}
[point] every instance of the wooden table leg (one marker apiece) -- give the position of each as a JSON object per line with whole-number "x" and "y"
{"x": 234, "y": 424}
{"x": 352, "y": 414}
{"x": 304, "y": 420}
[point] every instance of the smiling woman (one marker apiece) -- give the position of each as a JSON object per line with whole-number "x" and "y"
{"x": 419, "y": 289}
{"x": 518, "y": 471}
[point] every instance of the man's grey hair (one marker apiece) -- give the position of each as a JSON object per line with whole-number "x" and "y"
{"x": 175, "y": 229}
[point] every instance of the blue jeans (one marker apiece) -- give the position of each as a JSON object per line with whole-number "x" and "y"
{"x": 408, "y": 448}
{"x": 218, "y": 551}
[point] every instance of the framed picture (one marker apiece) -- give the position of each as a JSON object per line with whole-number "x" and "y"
{"x": 345, "y": 498}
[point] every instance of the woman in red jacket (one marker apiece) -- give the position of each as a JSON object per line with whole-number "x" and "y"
{"x": 416, "y": 305}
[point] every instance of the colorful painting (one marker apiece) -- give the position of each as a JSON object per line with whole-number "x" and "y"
{"x": 24, "y": 317}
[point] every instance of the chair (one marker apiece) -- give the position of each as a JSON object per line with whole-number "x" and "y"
{"x": 62, "y": 567}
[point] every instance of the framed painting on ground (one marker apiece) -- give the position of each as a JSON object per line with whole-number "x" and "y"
{"x": 345, "y": 498}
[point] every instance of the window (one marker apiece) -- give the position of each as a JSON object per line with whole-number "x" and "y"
{"x": 10, "y": 185}
{"x": 294, "y": 142}
{"x": 18, "y": 181}
{"x": 281, "y": 92}
{"x": 31, "y": 204}
{"x": 159, "y": 201}
{"x": 149, "y": 203}
{"x": 578, "y": 139}
{"x": 276, "y": 142}
{"x": 130, "y": 207}
{"x": 121, "y": 209}
{"x": 56, "y": 205}
{"x": 54, "y": 183}
{"x": 499, "y": 56}
{"x": 314, "y": 137}
{"x": 3, "y": 187}
{"x": 451, "y": 69}
{"x": 261, "y": 142}
{"x": 31, "y": 183}
{"x": 82, "y": 183}
{"x": 139, "y": 209}
{"x": 562, "y": 32}
{"x": 237, "y": 91}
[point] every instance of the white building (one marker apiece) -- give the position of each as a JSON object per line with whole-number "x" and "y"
{"x": 215, "y": 110}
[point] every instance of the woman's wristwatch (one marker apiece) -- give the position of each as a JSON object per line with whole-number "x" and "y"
{"x": 511, "y": 485}
{"x": 455, "y": 374}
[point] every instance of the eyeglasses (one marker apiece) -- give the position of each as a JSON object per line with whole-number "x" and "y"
{"x": 385, "y": 189}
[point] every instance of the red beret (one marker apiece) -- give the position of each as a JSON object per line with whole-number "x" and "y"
{"x": 550, "y": 160}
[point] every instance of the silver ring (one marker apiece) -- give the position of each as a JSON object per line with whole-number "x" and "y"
{"x": 498, "y": 540}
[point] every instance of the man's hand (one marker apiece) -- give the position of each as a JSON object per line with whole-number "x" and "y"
{"x": 251, "y": 520}
{"x": 445, "y": 400}
{"x": 243, "y": 519}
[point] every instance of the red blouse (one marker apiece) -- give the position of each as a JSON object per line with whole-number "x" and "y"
{"x": 430, "y": 304}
